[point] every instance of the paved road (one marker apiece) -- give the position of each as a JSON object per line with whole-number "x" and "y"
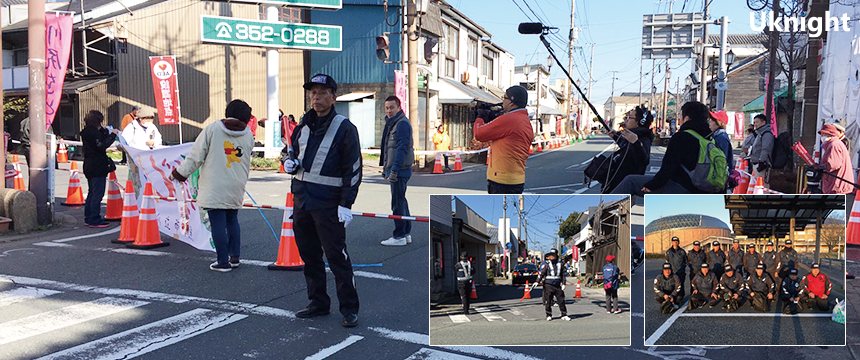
{"x": 707, "y": 326}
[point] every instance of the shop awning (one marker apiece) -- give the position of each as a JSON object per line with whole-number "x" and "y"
{"x": 757, "y": 105}
{"x": 70, "y": 86}
{"x": 453, "y": 92}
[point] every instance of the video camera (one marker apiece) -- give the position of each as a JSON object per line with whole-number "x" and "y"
{"x": 485, "y": 110}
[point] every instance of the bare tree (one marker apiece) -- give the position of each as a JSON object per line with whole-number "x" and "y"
{"x": 833, "y": 231}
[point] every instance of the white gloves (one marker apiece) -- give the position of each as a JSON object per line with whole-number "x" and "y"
{"x": 562, "y": 287}
{"x": 290, "y": 166}
{"x": 344, "y": 215}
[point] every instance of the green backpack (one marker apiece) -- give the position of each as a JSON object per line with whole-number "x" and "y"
{"x": 711, "y": 171}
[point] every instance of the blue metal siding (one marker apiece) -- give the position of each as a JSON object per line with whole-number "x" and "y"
{"x": 357, "y": 62}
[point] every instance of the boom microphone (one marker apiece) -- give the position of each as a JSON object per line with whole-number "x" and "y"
{"x": 531, "y": 28}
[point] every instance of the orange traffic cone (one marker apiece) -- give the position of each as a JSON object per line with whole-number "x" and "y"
{"x": 489, "y": 152}
{"x": 18, "y": 180}
{"x": 147, "y": 236}
{"x": 539, "y": 147}
{"x": 853, "y": 231}
{"x": 75, "y": 196}
{"x": 578, "y": 290}
{"x": 288, "y": 252}
{"x": 281, "y": 169}
{"x": 759, "y": 186}
{"x": 527, "y": 293}
{"x": 62, "y": 153}
{"x": 744, "y": 185}
{"x": 114, "y": 199}
{"x": 531, "y": 149}
{"x": 474, "y": 292}
{"x": 437, "y": 166}
{"x": 458, "y": 164}
{"x": 128, "y": 226}
{"x": 751, "y": 187}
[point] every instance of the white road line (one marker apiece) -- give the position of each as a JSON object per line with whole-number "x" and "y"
{"x": 516, "y": 312}
{"x": 372, "y": 275}
{"x": 111, "y": 231}
{"x": 22, "y": 294}
{"x": 651, "y": 340}
{"x": 754, "y": 315}
{"x": 52, "y": 244}
{"x": 64, "y": 317}
{"x": 415, "y": 338}
{"x": 490, "y": 352}
{"x": 430, "y": 354}
{"x": 488, "y": 314}
{"x": 600, "y": 153}
{"x": 653, "y": 169}
{"x": 232, "y": 306}
{"x": 637, "y": 314}
{"x": 331, "y": 350}
{"x": 134, "y": 251}
{"x": 459, "y": 318}
{"x": 150, "y": 337}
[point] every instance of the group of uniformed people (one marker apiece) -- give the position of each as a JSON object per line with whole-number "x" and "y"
{"x": 735, "y": 276}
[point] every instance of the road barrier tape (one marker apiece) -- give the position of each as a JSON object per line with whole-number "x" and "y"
{"x": 763, "y": 188}
{"x": 454, "y": 152}
{"x": 518, "y": 285}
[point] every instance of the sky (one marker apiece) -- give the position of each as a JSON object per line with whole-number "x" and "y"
{"x": 542, "y": 211}
{"x": 615, "y": 27}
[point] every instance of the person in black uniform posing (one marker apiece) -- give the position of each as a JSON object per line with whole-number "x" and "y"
{"x": 678, "y": 258}
{"x": 735, "y": 258}
{"x": 716, "y": 259}
{"x": 326, "y": 162}
{"x": 464, "y": 270}
{"x": 695, "y": 259}
{"x": 705, "y": 287}
{"x": 666, "y": 287}
{"x": 553, "y": 274}
{"x": 789, "y": 293}
{"x": 761, "y": 289}
{"x": 732, "y": 289}
{"x": 787, "y": 260}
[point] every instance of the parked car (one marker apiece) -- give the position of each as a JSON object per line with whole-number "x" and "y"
{"x": 523, "y": 273}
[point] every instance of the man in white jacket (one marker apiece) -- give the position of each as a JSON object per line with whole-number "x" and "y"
{"x": 141, "y": 133}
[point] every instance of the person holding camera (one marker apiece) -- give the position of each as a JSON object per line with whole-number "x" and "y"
{"x": 762, "y": 146}
{"x": 511, "y": 135}
{"x": 634, "y": 148}
{"x": 835, "y": 160}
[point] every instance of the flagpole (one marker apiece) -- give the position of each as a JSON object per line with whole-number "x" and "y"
{"x": 178, "y": 102}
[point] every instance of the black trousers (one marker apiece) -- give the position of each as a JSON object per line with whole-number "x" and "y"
{"x": 698, "y": 300}
{"x": 763, "y": 295}
{"x": 786, "y": 303}
{"x": 319, "y": 232}
{"x": 465, "y": 289}
{"x": 817, "y": 302}
{"x": 496, "y": 188}
{"x": 740, "y": 298}
{"x": 550, "y": 290}
{"x": 683, "y": 279}
{"x": 675, "y": 299}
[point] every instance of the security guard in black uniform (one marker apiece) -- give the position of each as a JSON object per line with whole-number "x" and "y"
{"x": 705, "y": 287}
{"x": 717, "y": 259}
{"x": 735, "y": 258}
{"x": 770, "y": 258}
{"x": 751, "y": 259}
{"x": 678, "y": 258}
{"x": 464, "y": 270}
{"x": 695, "y": 259}
{"x": 666, "y": 287}
{"x": 789, "y": 293}
{"x": 326, "y": 162}
{"x": 761, "y": 289}
{"x": 553, "y": 273}
{"x": 787, "y": 260}
{"x": 732, "y": 289}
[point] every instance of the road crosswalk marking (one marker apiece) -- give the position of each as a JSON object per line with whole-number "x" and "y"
{"x": 21, "y": 294}
{"x": 459, "y": 318}
{"x": 489, "y": 315}
{"x": 331, "y": 350}
{"x": 430, "y": 354}
{"x": 64, "y": 317}
{"x": 150, "y": 337}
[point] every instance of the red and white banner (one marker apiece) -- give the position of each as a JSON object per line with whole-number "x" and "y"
{"x": 574, "y": 253}
{"x": 739, "y": 126}
{"x": 58, "y": 43}
{"x": 166, "y": 88}
{"x": 401, "y": 90}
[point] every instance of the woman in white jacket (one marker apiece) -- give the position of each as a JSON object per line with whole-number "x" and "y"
{"x": 141, "y": 133}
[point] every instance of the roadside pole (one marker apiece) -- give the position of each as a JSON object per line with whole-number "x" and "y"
{"x": 38, "y": 152}
{"x": 272, "y": 91}
{"x": 412, "y": 58}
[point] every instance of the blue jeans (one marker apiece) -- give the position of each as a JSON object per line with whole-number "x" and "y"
{"x": 632, "y": 185}
{"x": 93, "y": 204}
{"x": 225, "y": 233}
{"x": 399, "y": 206}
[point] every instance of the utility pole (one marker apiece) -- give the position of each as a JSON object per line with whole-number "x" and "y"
{"x": 570, "y": 38}
{"x": 640, "y": 76}
{"x": 38, "y": 152}
{"x": 703, "y": 81}
{"x": 612, "y": 92}
{"x": 521, "y": 229}
{"x": 721, "y": 73}
{"x": 3, "y": 155}
{"x": 666, "y": 91}
{"x": 272, "y": 77}
{"x": 412, "y": 58}
{"x": 537, "y": 105}
{"x": 653, "y": 88}
{"x": 84, "y": 40}
{"x": 769, "y": 100}
{"x": 587, "y": 119}
{"x": 503, "y": 228}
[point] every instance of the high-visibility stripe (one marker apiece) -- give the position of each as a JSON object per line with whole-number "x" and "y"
{"x": 130, "y": 214}
{"x": 148, "y": 217}
{"x": 22, "y": 294}
{"x": 287, "y": 232}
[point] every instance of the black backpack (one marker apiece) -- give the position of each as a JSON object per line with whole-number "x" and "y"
{"x": 780, "y": 155}
{"x": 667, "y": 306}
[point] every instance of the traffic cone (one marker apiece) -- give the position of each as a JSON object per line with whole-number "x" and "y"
{"x": 148, "y": 236}
{"x": 437, "y": 167}
{"x": 527, "y": 293}
{"x": 458, "y": 164}
{"x": 853, "y": 231}
{"x": 474, "y": 292}
{"x": 281, "y": 169}
{"x": 578, "y": 293}
{"x": 531, "y": 149}
{"x": 751, "y": 188}
{"x": 539, "y": 147}
{"x": 114, "y": 199}
{"x": 128, "y": 226}
{"x": 288, "y": 252}
{"x": 75, "y": 196}
{"x": 489, "y": 151}
{"x": 759, "y": 186}
{"x": 744, "y": 185}
{"x": 18, "y": 180}
{"x": 62, "y": 153}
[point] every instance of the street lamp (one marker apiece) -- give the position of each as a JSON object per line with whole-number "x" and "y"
{"x": 699, "y": 46}
{"x": 730, "y": 59}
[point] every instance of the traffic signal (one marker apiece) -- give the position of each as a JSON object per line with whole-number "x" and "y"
{"x": 382, "y": 47}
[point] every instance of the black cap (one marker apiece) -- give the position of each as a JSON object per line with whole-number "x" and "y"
{"x": 704, "y": 266}
{"x": 675, "y": 238}
{"x": 793, "y": 272}
{"x": 729, "y": 267}
{"x": 788, "y": 242}
{"x": 464, "y": 255}
{"x": 321, "y": 79}
{"x": 553, "y": 251}
{"x": 135, "y": 107}
{"x": 735, "y": 241}
{"x": 816, "y": 266}
{"x": 759, "y": 266}
{"x": 667, "y": 266}
{"x": 518, "y": 95}
{"x": 770, "y": 243}
{"x": 716, "y": 243}
{"x": 696, "y": 243}
{"x": 750, "y": 246}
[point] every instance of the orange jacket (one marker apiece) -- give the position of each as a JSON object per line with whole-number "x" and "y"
{"x": 511, "y": 135}
{"x": 441, "y": 141}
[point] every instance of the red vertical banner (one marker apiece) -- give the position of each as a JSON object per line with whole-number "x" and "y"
{"x": 58, "y": 44}
{"x": 401, "y": 90}
{"x": 739, "y": 126}
{"x": 166, "y": 89}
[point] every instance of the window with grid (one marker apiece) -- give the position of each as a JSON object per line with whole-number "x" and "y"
{"x": 449, "y": 68}
{"x": 452, "y": 40}
{"x": 287, "y": 14}
{"x": 472, "y": 52}
{"x": 489, "y": 63}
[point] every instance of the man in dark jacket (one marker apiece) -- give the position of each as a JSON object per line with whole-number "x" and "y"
{"x": 326, "y": 161}
{"x": 751, "y": 259}
{"x": 770, "y": 258}
{"x": 678, "y": 258}
{"x": 761, "y": 289}
{"x": 787, "y": 259}
{"x": 97, "y": 165}
{"x": 735, "y": 257}
{"x": 732, "y": 289}
{"x": 705, "y": 287}
{"x": 789, "y": 293}
{"x": 762, "y": 147}
{"x": 464, "y": 271}
{"x": 716, "y": 259}
{"x": 682, "y": 155}
{"x": 816, "y": 289}
{"x": 695, "y": 259}
{"x": 634, "y": 148}
{"x": 667, "y": 287}
{"x": 396, "y": 159}
{"x": 553, "y": 274}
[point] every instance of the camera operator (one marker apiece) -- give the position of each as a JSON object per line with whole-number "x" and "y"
{"x": 511, "y": 135}
{"x": 634, "y": 148}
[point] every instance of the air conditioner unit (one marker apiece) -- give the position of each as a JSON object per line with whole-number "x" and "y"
{"x": 482, "y": 80}
{"x": 464, "y": 77}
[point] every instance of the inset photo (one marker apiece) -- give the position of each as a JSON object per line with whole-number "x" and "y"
{"x": 745, "y": 270}
{"x": 532, "y": 269}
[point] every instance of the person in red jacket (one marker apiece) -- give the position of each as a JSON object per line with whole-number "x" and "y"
{"x": 816, "y": 290}
{"x": 511, "y": 135}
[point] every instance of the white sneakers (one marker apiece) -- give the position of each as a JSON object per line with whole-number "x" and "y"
{"x": 566, "y": 318}
{"x": 393, "y": 241}
{"x": 549, "y": 318}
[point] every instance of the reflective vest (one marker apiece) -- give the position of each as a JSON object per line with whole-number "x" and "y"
{"x": 553, "y": 272}
{"x": 465, "y": 272}
{"x": 313, "y": 175}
